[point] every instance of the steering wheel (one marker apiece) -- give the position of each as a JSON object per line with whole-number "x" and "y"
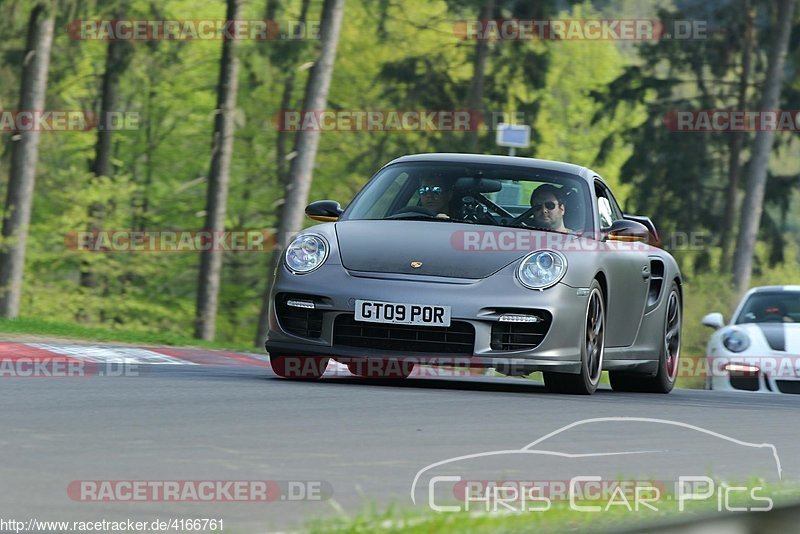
{"x": 522, "y": 216}
{"x": 474, "y": 211}
{"x": 413, "y": 209}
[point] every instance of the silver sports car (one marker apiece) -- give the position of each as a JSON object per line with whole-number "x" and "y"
{"x": 464, "y": 260}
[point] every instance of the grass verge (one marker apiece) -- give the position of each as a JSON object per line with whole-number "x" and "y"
{"x": 558, "y": 518}
{"x": 39, "y": 327}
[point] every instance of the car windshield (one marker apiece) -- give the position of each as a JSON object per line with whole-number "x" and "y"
{"x": 771, "y": 307}
{"x": 499, "y": 195}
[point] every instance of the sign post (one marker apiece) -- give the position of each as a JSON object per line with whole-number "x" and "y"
{"x": 513, "y": 136}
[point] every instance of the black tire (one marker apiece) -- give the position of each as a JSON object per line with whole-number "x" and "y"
{"x": 664, "y": 379}
{"x": 592, "y": 350}
{"x": 298, "y": 367}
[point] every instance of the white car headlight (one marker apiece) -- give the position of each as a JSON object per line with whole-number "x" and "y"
{"x": 306, "y": 253}
{"x": 542, "y": 269}
{"x": 735, "y": 340}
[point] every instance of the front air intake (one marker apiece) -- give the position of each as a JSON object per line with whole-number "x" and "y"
{"x": 297, "y": 314}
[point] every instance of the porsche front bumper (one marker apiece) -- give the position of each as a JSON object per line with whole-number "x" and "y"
{"x": 476, "y": 334}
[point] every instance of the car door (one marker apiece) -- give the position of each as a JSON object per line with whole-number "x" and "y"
{"x": 627, "y": 269}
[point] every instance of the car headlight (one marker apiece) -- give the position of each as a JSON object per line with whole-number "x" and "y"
{"x": 542, "y": 269}
{"x": 735, "y": 340}
{"x": 306, "y": 253}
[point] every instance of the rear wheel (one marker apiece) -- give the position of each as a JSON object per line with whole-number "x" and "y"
{"x": 381, "y": 368}
{"x": 664, "y": 380}
{"x": 298, "y": 367}
{"x": 592, "y": 349}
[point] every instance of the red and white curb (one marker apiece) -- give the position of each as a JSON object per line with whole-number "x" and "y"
{"x": 110, "y": 354}
{"x": 129, "y": 355}
{"x": 14, "y": 353}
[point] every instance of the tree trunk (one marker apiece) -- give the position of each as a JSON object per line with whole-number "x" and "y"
{"x": 24, "y": 155}
{"x": 757, "y": 172}
{"x": 300, "y": 174}
{"x": 475, "y": 95}
{"x": 271, "y": 9}
{"x": 140, "y": 222}
{"x": 218, "y": 179}
{"x": 116, "y": 63}
{"x": 286, "y": 102}
{"x": 734, "y": 165}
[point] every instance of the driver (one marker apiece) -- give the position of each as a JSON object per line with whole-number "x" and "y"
{"x": 776, "y": 312}
{"x": 548, "y": 208}
{"x": 435, "y": 194}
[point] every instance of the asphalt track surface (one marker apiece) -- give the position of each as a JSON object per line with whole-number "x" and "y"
{"x": 364, "y": 439}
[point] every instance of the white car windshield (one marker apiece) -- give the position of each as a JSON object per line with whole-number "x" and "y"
{"x": 771, "y": 307}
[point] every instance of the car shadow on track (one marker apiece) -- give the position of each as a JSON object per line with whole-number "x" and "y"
{"x": 483, "y": 384}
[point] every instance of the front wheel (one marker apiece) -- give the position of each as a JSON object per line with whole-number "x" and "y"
{"x": 298, "y": 367}
{"x": 664, "y": 379}
{"x": 592, "y": 349}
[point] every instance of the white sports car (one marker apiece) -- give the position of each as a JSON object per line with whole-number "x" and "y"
{"x": 759, "y": 350}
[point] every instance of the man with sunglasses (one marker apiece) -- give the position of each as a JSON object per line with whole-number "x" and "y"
{"x": 548, "y": 208}
{"x": 435, "y": 194}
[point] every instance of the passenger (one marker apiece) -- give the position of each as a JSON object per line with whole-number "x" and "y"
{"x": 549, "y": 208}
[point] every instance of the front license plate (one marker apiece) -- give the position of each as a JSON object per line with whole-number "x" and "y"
{"x": 398, "y": 313}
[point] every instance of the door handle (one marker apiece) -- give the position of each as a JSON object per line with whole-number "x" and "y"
{"x": 645, "y": 272}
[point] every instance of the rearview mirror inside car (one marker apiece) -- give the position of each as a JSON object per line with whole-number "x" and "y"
{"x": 324, "y": 210}
{"x": 478, "y": 185}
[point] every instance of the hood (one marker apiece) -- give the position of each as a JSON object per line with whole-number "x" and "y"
{"x": 455, "y": 250}
{"x": 783, "y": 337}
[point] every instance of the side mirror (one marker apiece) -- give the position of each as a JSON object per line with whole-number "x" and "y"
{"x": 627, "y": 230}
{"x": 655, "y": 239}
{"x": 324, "y": 210}
{"x": 714, "y": 320}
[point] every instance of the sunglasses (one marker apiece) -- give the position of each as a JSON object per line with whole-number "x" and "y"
{"x": 550, "y": 205}
{"x": 435, "y": 190}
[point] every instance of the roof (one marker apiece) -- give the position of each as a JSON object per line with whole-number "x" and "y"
{"x": 764, "y": 289}
{"x": 497, "y": 160}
